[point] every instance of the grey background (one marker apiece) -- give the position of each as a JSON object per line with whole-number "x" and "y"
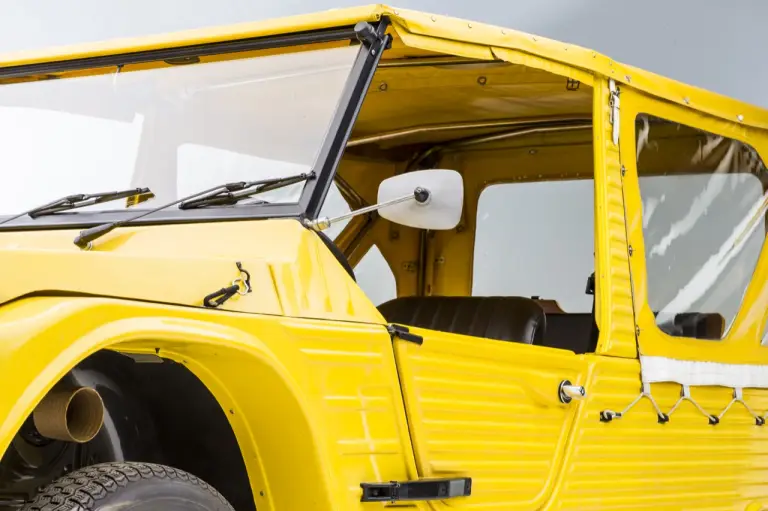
{"x": 715, "y": 44}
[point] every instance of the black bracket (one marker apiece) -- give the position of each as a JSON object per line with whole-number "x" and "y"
{"x": 426, "y": 489}
{"x": 402, "y": 332}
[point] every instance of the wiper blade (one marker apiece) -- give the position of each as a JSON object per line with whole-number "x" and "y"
{"x": 243, "y": 190}
{"x": 87, "y": 236}
{"x": 80, "y": 200}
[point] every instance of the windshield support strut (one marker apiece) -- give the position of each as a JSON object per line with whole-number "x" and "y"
{"x": 374, "y": 41}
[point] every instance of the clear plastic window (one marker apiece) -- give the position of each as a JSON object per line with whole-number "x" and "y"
{"x": 704, "y": 209}
{"x": 375, "y": 277}
{"x": 536, "y": 239}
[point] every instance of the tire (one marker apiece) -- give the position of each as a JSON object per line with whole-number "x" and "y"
{"x": 128, "y": 486}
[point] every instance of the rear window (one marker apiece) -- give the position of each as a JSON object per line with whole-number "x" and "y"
{"x": 536, "y": 239}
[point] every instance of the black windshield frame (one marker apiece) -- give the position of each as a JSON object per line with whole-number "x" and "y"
{"x": 329, "y": 156}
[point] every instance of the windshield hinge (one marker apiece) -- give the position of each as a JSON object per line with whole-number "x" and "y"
{"x": 614, "y": 103}
{"x": 369, "y": 34}
{"x": 402, "y": 332}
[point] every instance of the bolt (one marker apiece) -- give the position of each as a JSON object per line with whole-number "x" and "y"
{"x": 687, "y": 100}
{"x": 434, "y": 18}
{"x": 740, "y": 118}
{"x": 469, "y": 25}
{"x": 383, "y": 87}
{"x": 503, "y": 32}
{"x": 482, "y": 80}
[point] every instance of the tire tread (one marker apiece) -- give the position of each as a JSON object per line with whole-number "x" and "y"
{"x": 81, "y": 490}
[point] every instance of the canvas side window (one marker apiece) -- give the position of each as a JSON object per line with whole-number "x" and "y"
{"x": 375, "y": 277}
{"x": 704, "y": 210}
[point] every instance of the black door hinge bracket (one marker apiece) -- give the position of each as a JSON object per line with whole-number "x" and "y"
{"x": 426, "y": 489}
{"x": 402, "y": 332}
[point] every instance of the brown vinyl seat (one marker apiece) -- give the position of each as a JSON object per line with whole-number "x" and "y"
{"x": 507, "y": 318}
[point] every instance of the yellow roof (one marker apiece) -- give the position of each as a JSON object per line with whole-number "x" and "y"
{"x": 432, "y": 32}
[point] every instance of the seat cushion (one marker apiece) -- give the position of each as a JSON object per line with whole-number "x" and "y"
{"x": 507, "y": 318}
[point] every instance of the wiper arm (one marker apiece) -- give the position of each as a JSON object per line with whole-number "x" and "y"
{"x": 80, "y": 200}
{"x": 88, "y": 236}
{"x": 231, "y": 197}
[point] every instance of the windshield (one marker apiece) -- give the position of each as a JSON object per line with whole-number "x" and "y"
{"x": 176, "y": 130}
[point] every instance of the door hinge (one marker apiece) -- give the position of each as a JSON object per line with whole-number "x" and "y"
{"x": 402, "y": 332}
{"x": 426, "y": 489}
{"x": 614, "y": 103}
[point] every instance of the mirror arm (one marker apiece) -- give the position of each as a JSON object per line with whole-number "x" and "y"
{"x": 420, "y": 195}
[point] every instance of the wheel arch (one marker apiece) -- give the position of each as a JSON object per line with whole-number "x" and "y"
{"x": 255, "y": 396}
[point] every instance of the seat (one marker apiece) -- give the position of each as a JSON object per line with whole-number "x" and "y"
{"x": 507, "y": 318}
{"x": 569, "y": 331}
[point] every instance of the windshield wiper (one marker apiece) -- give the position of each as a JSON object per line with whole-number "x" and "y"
{"x": 230, "y": 197}
{"x": 88, "y": 236}
{"x": 80, "y": 200}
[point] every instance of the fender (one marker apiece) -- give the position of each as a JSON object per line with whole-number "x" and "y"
{"x": 296, "y": 416}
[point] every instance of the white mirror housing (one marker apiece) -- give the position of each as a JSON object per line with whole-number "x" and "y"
{"x": 439, "y": 209}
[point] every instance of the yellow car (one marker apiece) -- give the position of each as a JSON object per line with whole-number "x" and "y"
{"x": 374, "y": 258}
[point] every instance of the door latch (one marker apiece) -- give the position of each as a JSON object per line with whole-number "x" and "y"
{"x": 568, "y": 392}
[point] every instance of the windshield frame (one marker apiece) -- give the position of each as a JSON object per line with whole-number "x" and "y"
{"x": 330, "y": 153}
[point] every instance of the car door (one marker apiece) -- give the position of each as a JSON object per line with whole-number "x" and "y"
{"x": 489, "y": 410}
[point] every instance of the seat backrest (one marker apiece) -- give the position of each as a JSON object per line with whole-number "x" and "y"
{"x": 570, "y": 332}
{"x": 508, "y": 318}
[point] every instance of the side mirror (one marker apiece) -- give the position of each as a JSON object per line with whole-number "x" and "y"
{"x": 425, "y": 199}
{"x": 438, "y": 194}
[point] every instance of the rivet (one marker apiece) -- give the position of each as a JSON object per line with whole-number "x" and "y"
{"x": 594, "y": 55}
{"x": 628, "y": 78}
{"x": 232, "y": 412}
{"x": 373, "y": 52}
{"x": 469, "y": 25}
{"x": 532, "y": 151}
{"x": 433, "y": 18}
{"x": 482, "y": 80}
{"x": 687, "y": 100}
{"x": 740, "y": 118}
{"x": 396, "y": 13}
{"x": 261, "y": 493}
{"x": 503, "y": 32}
{"x": 383, "y": 87}
{"x": 534, "y": 38}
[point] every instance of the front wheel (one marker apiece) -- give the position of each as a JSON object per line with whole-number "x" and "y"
{"x": 128, "y": 486}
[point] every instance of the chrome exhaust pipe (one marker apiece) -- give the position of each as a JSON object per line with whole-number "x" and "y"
{"x": 71, "y": 415}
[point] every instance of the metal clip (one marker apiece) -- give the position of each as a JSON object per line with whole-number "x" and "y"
{"x": 243, "y": 282}
{"x": 614, "y": 103}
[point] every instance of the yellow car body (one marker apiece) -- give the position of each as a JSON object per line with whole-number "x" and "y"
{"x": 318, "y": 395}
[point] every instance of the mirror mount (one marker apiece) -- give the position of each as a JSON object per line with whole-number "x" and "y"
{"x": 420, "y": 195}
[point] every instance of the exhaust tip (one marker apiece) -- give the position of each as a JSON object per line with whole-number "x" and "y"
{"x": 70, "y": 415}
